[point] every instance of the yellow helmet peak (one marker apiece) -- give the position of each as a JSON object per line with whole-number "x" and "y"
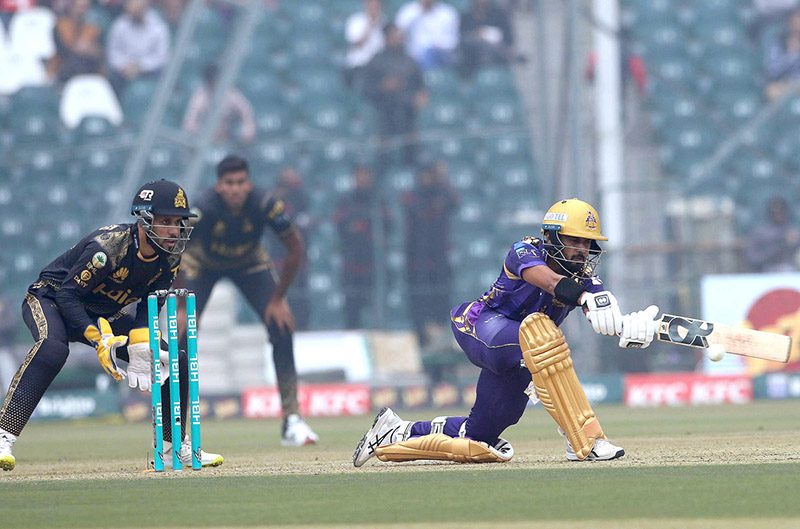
{"x": 575, "y": 218}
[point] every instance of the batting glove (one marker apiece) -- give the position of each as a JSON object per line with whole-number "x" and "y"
{"x": 639, "y": 328}
{"x": 101, "y": 336}
{"x": 603, "y": 312}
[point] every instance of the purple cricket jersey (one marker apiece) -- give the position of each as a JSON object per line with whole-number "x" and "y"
{"x": 488, "y": 332}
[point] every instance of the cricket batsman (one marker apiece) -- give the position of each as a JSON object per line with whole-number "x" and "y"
{"x": 512, "y": 334}
{"x": 96, "y": 293}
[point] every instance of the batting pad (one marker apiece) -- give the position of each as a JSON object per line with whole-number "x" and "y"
{"x": 547, "y": 357}
{"x": 441, "y": 447}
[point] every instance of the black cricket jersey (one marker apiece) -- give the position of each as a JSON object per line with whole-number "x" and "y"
{"x": 224, "y": 241}
{"x": 103, "y": 273}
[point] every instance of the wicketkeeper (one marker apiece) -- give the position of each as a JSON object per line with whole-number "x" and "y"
{"x": 512, "y": 334}
{"x": 96, "y": 293}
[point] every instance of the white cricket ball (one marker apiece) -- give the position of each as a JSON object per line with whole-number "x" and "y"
{"x": 716, "y": 352}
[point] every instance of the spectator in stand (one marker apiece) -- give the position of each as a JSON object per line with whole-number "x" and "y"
{"x": 291, "y": 189}
{"x": 236, "y": 109}
{"x": 783, "y": 58}
{"x": 78, "y": 47}
{"x": 364, "y": 34}
{"x": 394, "y": 83}
{"x": 354, "y": 218}
{"x": 775, "y": 245}
{"x": 138, "y": 44}
{"x": 171, "y": 10}
{"x": 431, "y": 32}
{"x": 486, "y": 36}
{"x": 768, "y": 13}
{"x": 429, "y": 208}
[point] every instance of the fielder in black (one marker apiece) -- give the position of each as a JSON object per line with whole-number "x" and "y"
{"x": 226, "y": 242}
{"x": 96, "y": 293}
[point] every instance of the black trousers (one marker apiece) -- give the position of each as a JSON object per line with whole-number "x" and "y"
{"x": 257, "y": 285}
{"x": 49, "y": 354}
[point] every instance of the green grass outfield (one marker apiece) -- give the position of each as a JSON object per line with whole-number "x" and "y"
{"x": 699, "y": 467}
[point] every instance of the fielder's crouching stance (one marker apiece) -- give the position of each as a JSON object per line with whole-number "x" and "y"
{"x": 512, "y": 334}
{"x": 88, "y": 295}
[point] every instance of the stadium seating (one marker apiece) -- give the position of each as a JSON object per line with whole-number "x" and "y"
{"x": 89, "y": 96}
{"x": 31, "y": 32}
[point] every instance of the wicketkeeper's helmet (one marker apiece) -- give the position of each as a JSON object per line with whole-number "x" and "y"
{"x": 162, "y": 197}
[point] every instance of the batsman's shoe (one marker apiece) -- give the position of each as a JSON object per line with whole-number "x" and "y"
{"x": 7, "y": 460}
{"x": 296, "y": 432}
{"x": 387, "y": 428}
{"x": 207, "y": 459}
{"x": 602, "y": 450}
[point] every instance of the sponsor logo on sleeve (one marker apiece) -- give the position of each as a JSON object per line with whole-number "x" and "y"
{"x": 99, "y": 260}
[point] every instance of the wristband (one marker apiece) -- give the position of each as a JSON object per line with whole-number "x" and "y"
{"x": 568, "y": 291}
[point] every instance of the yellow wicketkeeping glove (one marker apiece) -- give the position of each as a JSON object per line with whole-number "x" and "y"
{"x": 102, "y": 338}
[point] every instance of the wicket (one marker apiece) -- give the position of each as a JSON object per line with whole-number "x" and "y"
{"x": 174, "y": 378}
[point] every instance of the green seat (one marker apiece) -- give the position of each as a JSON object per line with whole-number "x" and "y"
{"x": 450, "y": 148}
{"x": 324, "y": 116}
{"x": 443, "y": 82}
{"x": 261, "y": 87}
{"x": 310, "y": 49}
{"x": 443, "y": 113}
{"x": 272, "y": 119}
{"x": 739, "y": 106}
{"x": 34, "y": 99}
{"x": 94, "y": 129}
{"x": 515, "y": 175}
{"x": 499, "y": 111}
{"x": 318, "y": 80}
{"x": 731, "y": 69}
{"x": 36, "y": 130}
{"x": 491, "y": 81}
{"x": 660, "y": 36}
{"x": 136, "y": 100}
{"x": 671, "y": 69}
{"x": 465, "y": 177}
{"x": 272, "y": 154}
{"x": 506, "y": 144}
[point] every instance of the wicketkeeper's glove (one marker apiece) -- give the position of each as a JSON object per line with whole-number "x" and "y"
{"x": 101, "y": 336}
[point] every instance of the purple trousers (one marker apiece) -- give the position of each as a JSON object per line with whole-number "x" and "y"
{"x": 491, "y": 342}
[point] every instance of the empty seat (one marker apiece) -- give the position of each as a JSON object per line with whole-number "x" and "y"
{"x": 31, "y": 32}
{"x": 20, "y": 70}
{"x": 89, "y": 96}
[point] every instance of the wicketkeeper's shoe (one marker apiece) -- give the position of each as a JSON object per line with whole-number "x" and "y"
{"x": 296, "y": 432}
{"x": 7, "y": 460}
{"x": 387, "y": 428}
{"x": 207, "y": 459}
{"x": 602, "y": 450}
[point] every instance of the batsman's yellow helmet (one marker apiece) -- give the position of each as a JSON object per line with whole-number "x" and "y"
{"x": 575, "y": 218}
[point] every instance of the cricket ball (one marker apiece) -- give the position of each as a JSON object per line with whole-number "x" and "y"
{"x": 716, "y": 352}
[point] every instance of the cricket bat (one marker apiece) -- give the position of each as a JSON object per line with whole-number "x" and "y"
{"x": 745, "y": 342}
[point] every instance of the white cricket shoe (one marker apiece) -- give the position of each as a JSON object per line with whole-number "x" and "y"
{"x": 7, "y": 460}
{"x": 602, "y": 450}
{"x": 207, "y": 459}
{"x": 296, "y": 432}
{"x": 387, "y": 428}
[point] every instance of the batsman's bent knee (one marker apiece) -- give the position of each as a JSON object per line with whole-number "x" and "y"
{"x": 547, "y": 356}
{"x": 441, "y": 447}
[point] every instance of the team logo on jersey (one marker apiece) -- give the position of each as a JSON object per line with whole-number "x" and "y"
{"x": 99, "y": 260}
{"x": 120, "y": 275}
{"x": 180, "y": 199}
{"x": 86, "y": 275}
{"x": 146, "y": 195}
{"x": 591, "y": 221}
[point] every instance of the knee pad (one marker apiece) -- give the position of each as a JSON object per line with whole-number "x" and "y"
{"x": 440, "y": 447}
{"x": 547, "y": 357}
